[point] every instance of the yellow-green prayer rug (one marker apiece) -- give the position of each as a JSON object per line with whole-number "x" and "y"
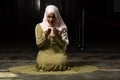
{"x": 31, "y": 69}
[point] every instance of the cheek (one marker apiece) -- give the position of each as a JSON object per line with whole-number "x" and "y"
{"x": 48, "y": 20}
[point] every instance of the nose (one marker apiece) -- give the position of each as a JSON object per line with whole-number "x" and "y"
{"x": 51, "y": 19}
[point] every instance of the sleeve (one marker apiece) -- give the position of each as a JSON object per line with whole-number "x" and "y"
{"x": 40, "y": 36}
{"x": 62, "y": 41}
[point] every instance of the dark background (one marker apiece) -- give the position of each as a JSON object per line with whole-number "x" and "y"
{"x": 100, "y": 21}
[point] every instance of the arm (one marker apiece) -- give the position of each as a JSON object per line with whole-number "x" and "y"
{"x": 61, "y": 38}
{"x": 41, "y": 40}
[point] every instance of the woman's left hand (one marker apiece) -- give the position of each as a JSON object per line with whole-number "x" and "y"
{"x": 56, "y": 32}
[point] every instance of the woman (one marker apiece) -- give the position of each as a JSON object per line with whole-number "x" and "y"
{"x": 52, "y": 40}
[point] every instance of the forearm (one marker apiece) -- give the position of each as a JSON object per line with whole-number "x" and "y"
{"x": 61, "y": 43}
{"x": 41, "y": 42}
{"x": 41, "y": 39}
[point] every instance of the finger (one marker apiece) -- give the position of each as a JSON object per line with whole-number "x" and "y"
{"x": 49, "y": 31}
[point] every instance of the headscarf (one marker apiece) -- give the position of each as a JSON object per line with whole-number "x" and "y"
{"x": 60, "y": 25}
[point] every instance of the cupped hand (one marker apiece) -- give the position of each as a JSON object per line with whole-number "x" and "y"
{"x": 56, "y": 31}
{"x": 47, "y": 33}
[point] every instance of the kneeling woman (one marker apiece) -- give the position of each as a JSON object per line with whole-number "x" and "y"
{"x": 52, "y": 40}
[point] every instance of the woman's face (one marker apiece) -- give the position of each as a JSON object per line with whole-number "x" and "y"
{"x": 51, "y": 19}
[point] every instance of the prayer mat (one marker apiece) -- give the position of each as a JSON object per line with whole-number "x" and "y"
{"x": 31, "y": 69}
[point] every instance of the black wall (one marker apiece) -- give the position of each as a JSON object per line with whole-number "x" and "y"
{"x": 19, "y": 17}
{"x": 116, "y": 6}
{"x": 8, "y": 19}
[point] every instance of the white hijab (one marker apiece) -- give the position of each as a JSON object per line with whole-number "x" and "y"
{"x": 60, "y": 25}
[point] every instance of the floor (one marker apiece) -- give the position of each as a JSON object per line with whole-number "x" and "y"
{"x": 107, "y": 60}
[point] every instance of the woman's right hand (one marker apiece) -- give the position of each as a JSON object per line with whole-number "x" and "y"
{"x": 47, "y": 33}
